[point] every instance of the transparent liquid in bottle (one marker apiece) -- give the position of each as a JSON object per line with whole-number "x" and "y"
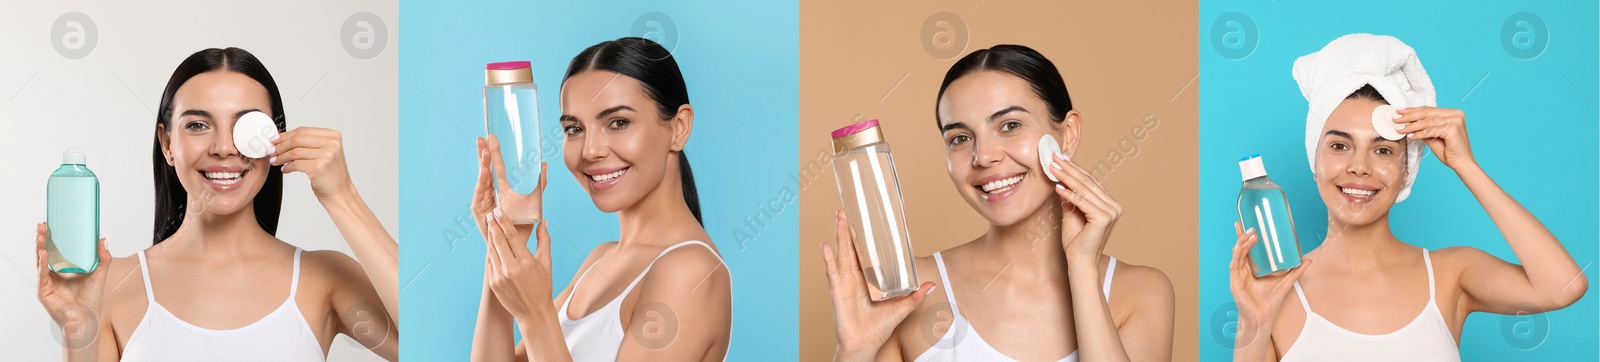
{"x": 72, "y": 217}
{"x": 1265, "y": 207}
{"x": 511, "y": 113}
{"x": 870, "y": 194}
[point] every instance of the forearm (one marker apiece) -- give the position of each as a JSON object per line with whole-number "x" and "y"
{"x": 492, "y": 338}
{"x": 1252, "y": 340}
{"x": 1097, "y": 332}
{"x": 542, "y": 338}
{"x": 373, "y": 247}
{"x": 1549, "y": 267}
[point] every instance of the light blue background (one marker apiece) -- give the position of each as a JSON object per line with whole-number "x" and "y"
{"x": 739, "y": 60}
{"x": 1532, "y": 125}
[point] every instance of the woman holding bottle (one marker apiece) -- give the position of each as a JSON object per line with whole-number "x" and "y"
{"x": 216, "y": 284}
{"x": 1036, "y": 285}
{"x": 1371, "y": 296}
{"x": 625, "y": 118}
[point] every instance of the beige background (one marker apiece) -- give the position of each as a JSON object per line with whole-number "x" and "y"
{"x": 1122, "y": 61}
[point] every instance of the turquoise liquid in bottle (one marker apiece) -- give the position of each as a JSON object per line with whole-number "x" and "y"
{"x": 72, "y": 215}
{"x": 1264, "y": 207}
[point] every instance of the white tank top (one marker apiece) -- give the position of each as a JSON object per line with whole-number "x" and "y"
{"x": 962, "y": 343}
{"x": 598, "y": 336}
{"x": 282, "y": 335}
{"x": 1426, "y": 338}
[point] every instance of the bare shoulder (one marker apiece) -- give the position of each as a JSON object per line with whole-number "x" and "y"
{"x": 1141, "y": 286}
{"x": 1460, "y": 257}
{"x": 693, "y": 268}
{"x": 124, "y": 281}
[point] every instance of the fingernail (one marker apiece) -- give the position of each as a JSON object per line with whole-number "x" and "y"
{"x": 272, "y": 150}
{"x": 1056, "y": 166}
{"x": 1062, "y": 188}
{"x": 488, "y": 215}
{"x": 274, "y": 137}
{"x": 497, "y": 212}
{"x": 274, "y": 159}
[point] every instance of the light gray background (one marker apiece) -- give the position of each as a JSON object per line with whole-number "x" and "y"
{"x": 104, "y": 103}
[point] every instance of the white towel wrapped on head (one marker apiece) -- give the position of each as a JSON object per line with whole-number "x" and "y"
{"x": 1328, "y": 76}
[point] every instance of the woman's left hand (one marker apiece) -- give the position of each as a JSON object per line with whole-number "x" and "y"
{"x": 520, "y": 279}
{"x": 319, "y": 153}
{"x": 1080, "y": 190}
{"x": 1443, "y": 129}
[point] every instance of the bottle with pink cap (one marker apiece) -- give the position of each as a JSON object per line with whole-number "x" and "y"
{"x": 511, "y": 113}
{"x": 870, "y": 194}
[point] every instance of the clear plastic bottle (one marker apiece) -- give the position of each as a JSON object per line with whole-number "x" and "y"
{"x": 72, "y": 215}
{"x": 1264, "y": 206}
{"x": 511, "y": 113}
{"x": 870, "y": 194}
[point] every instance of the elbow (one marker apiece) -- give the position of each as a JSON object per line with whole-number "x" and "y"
{"x": 1572, "y": 292}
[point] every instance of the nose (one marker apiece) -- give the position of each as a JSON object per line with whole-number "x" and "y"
{"x": 595, "y": 146}
{"x": 985, "y": 154}
{"x": 1358, "y": 165}
{"x": 222, "y": 144}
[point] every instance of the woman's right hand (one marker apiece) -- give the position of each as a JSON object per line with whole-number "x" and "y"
{"x": 862, "y": 325}
{"x": 72, "y": 301}
{"x": 1258, "y": 298}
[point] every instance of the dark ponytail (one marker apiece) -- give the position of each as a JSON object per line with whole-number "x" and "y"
{"x": 653, "y": 66}
{"x": 171, "y": 199}
{"x": 1022, "y": 62}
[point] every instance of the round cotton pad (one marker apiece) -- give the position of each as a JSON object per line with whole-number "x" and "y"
{"x": 1383, "y": 122}
{"x": 252, "y": 135}
{"x": 1047, "y": 154}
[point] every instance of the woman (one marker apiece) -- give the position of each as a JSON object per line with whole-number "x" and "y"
{"x": 625, "y": 117}
{"x": 216, "y": 284}
{"x": 1372, "y": 296}
{"x": 1042, "y": 258}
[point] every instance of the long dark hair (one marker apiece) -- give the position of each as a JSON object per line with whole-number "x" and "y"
{"x": 653, "y": 66}
{"x": 1022, "y": 62}
{"x": 171, "y": 199}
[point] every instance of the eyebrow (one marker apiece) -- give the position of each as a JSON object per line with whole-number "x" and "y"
{"x": 602, "y": 114}
{"x": 204, "y": 113}
{"x": 992, "y": 117}
{"x": 1347, "y": 136}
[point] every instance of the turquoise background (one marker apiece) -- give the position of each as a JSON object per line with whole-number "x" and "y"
{"x": 739, "y": 60}
{"x": 1532, "y": 125}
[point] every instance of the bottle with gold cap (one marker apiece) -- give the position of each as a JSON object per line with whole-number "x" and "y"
{"x": 511, "y": 113}
{"x": 870, "y": 194}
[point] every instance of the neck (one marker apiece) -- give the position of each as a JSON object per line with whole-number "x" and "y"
{"x": 660, "y": 217}
{"x": 213, "y": 234}
{"x": 1034, "y": 244}
{"x": 1359, "y": 245}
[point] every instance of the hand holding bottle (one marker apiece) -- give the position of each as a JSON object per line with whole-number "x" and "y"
{"x": 862, "y": 325}
{"x": 1258, "y": 298}
{"x": 73, "y": 301}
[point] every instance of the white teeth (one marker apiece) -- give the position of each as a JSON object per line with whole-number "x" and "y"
{"x": 999, "y": 184}
{"x": 1357, "y": 192}
{"x": 223, "y": 178}
{"x": 609, "y": 176}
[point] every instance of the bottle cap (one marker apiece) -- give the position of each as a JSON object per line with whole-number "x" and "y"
{"x": 520, "y": 71}
{"x": 1383, "y": 122}
{"x": 73, "y": 156}
{"x": 856, "y": 135}
{"x": 1048, "y": 147}
{"x": 252, "y": 135}
{"x": 1251, "y": 167}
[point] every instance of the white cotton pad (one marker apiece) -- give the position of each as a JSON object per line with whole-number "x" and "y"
{"x": 252, "y": 135}
{"x": 1383, "y": 122}
{"x": 1048, "y": 147}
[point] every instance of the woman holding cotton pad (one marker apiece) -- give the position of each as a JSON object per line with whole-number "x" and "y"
{"x": 1060, "y": 297}
{"x": 216, "y": 284}
{"x": 1370, "y": 296}
{"x": 625, "y": 118}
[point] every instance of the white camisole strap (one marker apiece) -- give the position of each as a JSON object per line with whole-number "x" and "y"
{"x": 962, "y": 343}
{"x": 598, "y": 336}
{"x": 281, "y": 335}
{"x": 1426, "y": 338}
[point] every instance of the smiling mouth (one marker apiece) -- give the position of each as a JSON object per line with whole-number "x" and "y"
{"x": 1001, "y": 185}
{"x": 1357, "y": 192}
{"x": 224, "y": 178}
{"x": 610, "y": 176}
